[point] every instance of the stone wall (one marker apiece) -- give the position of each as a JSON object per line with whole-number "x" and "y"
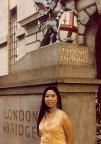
{"x": 20, "y": 107}
{"x": 25, "y": 8}
{"x": 21, "y": 93}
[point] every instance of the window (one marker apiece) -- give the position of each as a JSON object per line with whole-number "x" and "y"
{"x": 13, "y": 38}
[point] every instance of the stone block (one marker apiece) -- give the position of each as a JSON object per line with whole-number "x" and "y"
{"x": 21, "y": 13}
{"x": 21, "y": 46}
{"x": 19, "y": 107}
{"x": 81, "y": 104}
{"x": 4, "y": 18}
{"x": 32, "y": 30}
{"x": 68, "y": 60}
{"x": 80, "y": 39}
{"x": 13, "y": 4}
{"x": 30, "y": 39}
{"x": 3, "y": 40}
{"x": 90, "y": 10}
{"x": 81, "y": 29}
{"x": 82, "y": 4}
{"x": 33, "y": 46}
{"x": 29, "y": 5}
{"x": 4, "y": 69}
{"x": 98, "y": 4}
{"x": 83, "y": 17}
{"x": 39, "y": 36}
{"x": 71, "y": 4}
{"x": 23, "y": 9}
{"x": 20, "y": 32}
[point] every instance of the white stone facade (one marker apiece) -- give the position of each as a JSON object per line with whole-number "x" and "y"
{"x": 3, "y": 36}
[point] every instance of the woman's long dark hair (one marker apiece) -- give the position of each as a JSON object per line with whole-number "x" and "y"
{"x": 44, "y": 107}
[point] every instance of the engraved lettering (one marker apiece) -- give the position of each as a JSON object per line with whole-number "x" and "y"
{"x": 21, "y": 115}
{"x": 67, "y": 58}
{"x": 28, "y": 116}
{"x": 61, "y": 58}
{"x": 27, "y": 131}
{"x": 10, "y": 114}
{"x": 63, "y": 49}
{"x": 67, "y": 50}
{"x": 73, "y": 55}
{"x": 33, "y": 132}
{"x": 24, "y": 117}
{"x": 35, "y": 116}
{"x": 70, "y": 50}
{"x": 7, "y": 127}
{"x": 20, "y": 130}
{"x": 11, "y": 127}
{"x": 15, "y": 128}
{"x": 15, "y": 114}
{"x": 5, "y": 114}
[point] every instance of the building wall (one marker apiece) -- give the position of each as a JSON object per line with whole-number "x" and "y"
{"x": 28, "y": 42}
{"x": 25, "y": 9}
{"x": 12, "y": 3}
{"x": 3, "y": 37}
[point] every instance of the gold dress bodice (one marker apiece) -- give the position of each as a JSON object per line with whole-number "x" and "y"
{"x": 53, "y": 133}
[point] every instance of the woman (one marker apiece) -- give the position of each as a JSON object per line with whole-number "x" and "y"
{"x": 54, "y": 126}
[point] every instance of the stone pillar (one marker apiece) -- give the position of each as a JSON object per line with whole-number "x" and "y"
{"x": 63, "y": 65}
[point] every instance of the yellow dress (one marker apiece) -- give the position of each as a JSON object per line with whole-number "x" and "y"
{"x": 53, "y": 133}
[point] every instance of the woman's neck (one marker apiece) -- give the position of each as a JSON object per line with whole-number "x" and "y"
{"x": 52, "y": 110}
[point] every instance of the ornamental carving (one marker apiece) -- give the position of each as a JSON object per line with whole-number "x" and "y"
{"x": 61, "y": 24}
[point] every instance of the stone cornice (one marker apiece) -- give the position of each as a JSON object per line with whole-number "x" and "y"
{"x": 32, "y": 20}
{"x": 70, "y": 85}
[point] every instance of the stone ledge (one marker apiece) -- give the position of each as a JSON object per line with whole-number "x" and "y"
{"x": 29, "y": 78}
{"x": 63, "y": 88}
{"x": 67, "y": 85}
{"x": 20, "y": 33}
{"x": 32, "y": 20}
{"x": 3, "y": 40}
{"x": 52, "y": 72}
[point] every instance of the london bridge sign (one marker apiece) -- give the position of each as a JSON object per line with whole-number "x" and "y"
{"x": 13, "y": 118}
{"x": 18, "y": 118}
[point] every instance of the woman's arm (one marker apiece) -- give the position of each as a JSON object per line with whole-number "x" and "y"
{"x": 68, "y": 128}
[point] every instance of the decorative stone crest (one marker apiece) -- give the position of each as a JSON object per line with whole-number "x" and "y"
{"x": 61, "y": 24}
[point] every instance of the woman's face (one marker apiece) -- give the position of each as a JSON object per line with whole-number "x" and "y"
{"x": 51, "y": 99}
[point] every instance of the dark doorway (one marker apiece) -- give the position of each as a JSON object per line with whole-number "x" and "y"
{"x": 98, "y": 67}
